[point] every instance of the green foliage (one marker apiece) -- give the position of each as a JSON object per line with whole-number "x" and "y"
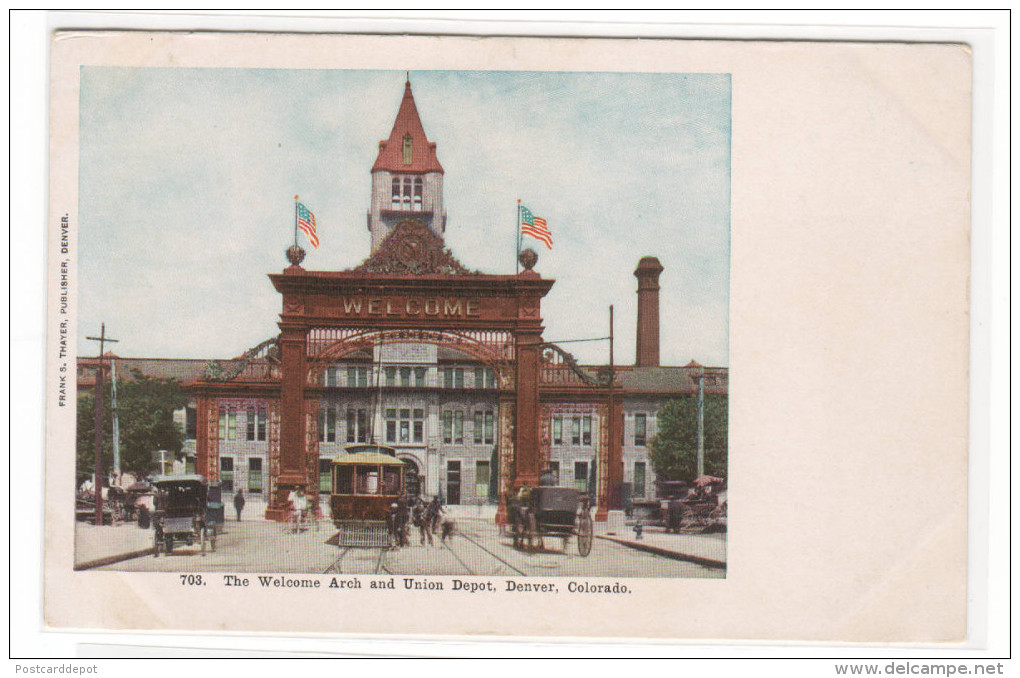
{"x": 674, "y": 450}
{"x": 145, "y": 409}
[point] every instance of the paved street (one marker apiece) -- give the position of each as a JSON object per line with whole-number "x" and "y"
{"x": 478, "y": 549}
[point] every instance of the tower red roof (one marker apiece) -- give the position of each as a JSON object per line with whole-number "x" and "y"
{"x": 423, "y": 151}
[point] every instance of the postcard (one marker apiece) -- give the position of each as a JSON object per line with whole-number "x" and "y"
{"x": 435, "y": 335}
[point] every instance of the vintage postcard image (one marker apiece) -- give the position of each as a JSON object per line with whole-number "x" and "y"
{"x": 343, "y": 325}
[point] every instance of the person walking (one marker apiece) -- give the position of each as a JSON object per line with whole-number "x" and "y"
{"x": 239, "y": 503}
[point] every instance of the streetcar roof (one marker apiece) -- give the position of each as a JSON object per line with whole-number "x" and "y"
{"x": 367, "y": 458}
{"x": 183, "y": 479}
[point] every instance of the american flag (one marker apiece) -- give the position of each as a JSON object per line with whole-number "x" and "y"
{"x": 306, "y": 222}
{"x": 535, "y": 227}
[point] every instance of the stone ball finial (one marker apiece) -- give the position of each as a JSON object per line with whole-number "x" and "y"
{"x": 528, "y": 258}
{"x": 295, "y": 255}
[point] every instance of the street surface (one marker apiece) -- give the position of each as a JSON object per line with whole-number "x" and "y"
{"x": 477, "y": 549}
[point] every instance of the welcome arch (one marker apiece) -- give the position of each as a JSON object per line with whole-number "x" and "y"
{"x": 328, "y": 314}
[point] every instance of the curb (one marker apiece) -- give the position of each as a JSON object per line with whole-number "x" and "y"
{"x": 659, "y": 551}
{"x": 110, "y": 560}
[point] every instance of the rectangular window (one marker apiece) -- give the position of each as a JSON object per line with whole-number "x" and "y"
{"x": 357, "y": 426}
{"x": 250, "y": 428}
{"x": 554, "y": 469}
{"x": 640, "y": 429}
{"x": 226, "y": 474}
{"x": 405, "y": 376}
{"x": 190, "y": 423}
{"x": 453, "y": 426}
{"x": 330, "y": 425}
{"x": 331, "y": 379}
{"x": 391, "y": 425}
{"x": 484, "y": 378}
{"x": 479, "y": 426}
{"x": 419, "y": 376}
{"x": 575, "y": 430}
{"x": 357, "y": 377}
{"x": 458, "y": 427}
{"x": 639, "y": 479}
{"x": 581, "y": 476}
{"x": 255, "y": 475}
{"x": 586, "y": 430}
{"x": 228, "y": 424}
{"x": 484, "y": 427}
{"x": 453, "y": 377}
{"x": 453, "y": 482}
{"x": 324, "y": 478}
{"x": 405, "y": 425}
{"x": 391, "y": 376}
{"x": 261, "y": 428}
{"x": 557, "y": 430}
{"x": 482, "y": 479}
{"x": 418, "y": 425}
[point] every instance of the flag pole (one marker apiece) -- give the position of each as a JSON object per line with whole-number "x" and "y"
{"x": 295, "y": 220}
{"x": 517, "y": 228}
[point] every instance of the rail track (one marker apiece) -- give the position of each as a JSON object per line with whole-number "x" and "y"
{"x": 336, "y": 566}
{"x": 467, "y": 567}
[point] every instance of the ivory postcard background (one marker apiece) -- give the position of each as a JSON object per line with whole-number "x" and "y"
{"x": 848, "y": 351}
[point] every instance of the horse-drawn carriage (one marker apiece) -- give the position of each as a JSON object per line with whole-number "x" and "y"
{"x": 180, "y": 514}
{"x": 702, "y": 507}
{"x": 551, "y": 512}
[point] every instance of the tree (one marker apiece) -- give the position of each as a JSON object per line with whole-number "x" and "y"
{"x": 145, "y": 409}
{"x": 674, "y": 450}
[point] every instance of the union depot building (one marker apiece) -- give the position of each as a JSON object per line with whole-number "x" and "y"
{"x": 413, "y": 350}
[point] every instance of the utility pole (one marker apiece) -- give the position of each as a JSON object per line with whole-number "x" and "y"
{"x": 701, "y": 421}
{"x": 102, "y": 339}
{"x": 116, "y": 422}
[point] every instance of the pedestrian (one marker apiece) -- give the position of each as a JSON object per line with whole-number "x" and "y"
{"x": 239, "y": 503}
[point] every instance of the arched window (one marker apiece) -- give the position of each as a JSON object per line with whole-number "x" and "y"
{"x": 408, "y": 147}
{"x": 417, "y": 194}
{"x": 407, "y": 193}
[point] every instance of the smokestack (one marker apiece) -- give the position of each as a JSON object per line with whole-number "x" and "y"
{"x": 647, "y": 273}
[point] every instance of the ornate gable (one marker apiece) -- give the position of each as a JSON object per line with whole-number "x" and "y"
{"x": 412, "y": 248}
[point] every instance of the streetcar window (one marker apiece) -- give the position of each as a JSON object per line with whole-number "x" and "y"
{"x": 368, "y": 480}
{"x": 344, "y": 480}
{"x": 391, "y": 480}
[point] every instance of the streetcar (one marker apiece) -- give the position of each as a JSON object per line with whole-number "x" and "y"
{"x": 367, "y": 480}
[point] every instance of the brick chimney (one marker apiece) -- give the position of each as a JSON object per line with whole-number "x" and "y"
{"x": 647, "y": 273}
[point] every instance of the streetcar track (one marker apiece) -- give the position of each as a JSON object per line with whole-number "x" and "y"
{"x": 459, "y": 560}
{"x": 461, "y": 534}
{"x": 335, "y": 567}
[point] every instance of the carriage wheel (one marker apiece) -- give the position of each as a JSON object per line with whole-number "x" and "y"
{"x": 585, "y": 534}
{"x": 533, "y": 532}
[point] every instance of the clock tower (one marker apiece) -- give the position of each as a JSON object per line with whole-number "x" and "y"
{"x": 407, "y": 179}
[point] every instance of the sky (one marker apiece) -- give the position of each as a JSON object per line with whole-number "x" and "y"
{"x": 187, "y": 179}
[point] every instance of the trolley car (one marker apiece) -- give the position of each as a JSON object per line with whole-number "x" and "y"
{"x": 366, "y": 480}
